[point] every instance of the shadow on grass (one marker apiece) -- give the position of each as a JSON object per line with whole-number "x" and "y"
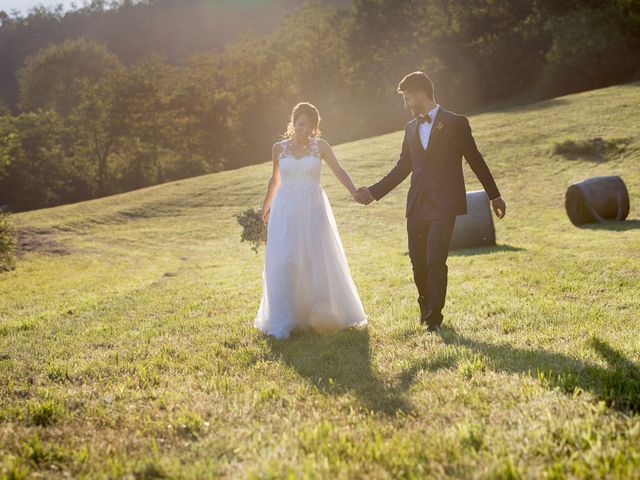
{"x": 468, "y": 252}
{"x": 618, "y": 385}
{"x": 341, "y": 363}
{"x": 612, "y": 225}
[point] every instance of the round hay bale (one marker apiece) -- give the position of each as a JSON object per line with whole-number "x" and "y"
{"x": 596, "y": 199}
{"x": 475, "y": 229}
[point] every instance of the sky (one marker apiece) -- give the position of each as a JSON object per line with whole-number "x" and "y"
{"x": 24, "y": 5}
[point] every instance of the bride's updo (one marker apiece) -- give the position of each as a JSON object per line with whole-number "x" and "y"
{"x": 304, "y": 108}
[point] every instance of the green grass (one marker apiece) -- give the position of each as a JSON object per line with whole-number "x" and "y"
{"x": 127, "y": 348}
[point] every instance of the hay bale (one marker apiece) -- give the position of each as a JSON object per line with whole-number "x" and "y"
{"x": 475, "y": 229}
{"x": 596, "y": 199}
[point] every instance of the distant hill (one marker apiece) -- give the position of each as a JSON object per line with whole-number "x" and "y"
{"x": 176, "y": 29}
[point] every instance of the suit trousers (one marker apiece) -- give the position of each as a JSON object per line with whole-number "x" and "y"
{"x": 428, "y": 249}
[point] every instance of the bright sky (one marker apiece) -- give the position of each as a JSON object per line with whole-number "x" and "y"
{"x": 24, "y": 5}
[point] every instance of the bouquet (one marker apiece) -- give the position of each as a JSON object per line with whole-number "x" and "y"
{"x": 253, "y": 230}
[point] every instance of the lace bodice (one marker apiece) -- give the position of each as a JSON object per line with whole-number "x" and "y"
{"x": 300, "y": 170}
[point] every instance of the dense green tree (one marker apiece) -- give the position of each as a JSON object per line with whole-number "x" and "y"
{"x": 93, "y": 126}
{"x": 206, "y": 132}
{"x": 140, "y": 121}
{"x": 49, "y": 78}
{"x": 40, "y": 171}
{"x": 587, "y": 51}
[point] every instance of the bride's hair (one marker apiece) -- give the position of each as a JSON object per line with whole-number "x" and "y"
{"x": 304, "y": 108}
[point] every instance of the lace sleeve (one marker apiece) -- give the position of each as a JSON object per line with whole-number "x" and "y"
{"x": 284, "y": 150}
{"x": 315, "y": 148}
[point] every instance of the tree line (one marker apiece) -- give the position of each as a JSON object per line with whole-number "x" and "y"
{"x": 88, "y": 124}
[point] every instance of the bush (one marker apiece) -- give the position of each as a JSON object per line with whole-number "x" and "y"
{"x": 7, "y": 243}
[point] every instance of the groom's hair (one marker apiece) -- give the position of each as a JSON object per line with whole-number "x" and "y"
{"x": 417, "y": 82}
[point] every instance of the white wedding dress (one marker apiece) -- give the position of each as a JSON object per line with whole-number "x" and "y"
{"x": 306, "y": 281}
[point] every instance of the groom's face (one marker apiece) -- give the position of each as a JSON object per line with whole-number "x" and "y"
{"x": 411, "y": 101}
{"x": 416, "y": 101}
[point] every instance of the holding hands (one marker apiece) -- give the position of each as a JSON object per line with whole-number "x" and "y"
{"x": 363, "y": 196}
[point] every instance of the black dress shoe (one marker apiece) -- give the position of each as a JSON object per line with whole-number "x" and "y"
{"x": 433, "y": 321}
{"x": 431, "y": 328}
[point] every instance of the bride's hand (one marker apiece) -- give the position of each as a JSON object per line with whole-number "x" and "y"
{"x": 265, "y": 214}
{"x": 363, "y": 196}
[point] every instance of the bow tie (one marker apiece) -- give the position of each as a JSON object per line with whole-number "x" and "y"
{"x": 423, "y": 117}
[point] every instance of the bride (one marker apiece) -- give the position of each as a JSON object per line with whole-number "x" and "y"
{"x": 306, "y": 282}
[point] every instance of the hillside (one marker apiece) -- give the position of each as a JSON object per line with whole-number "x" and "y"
{"x": 127, "y": 347}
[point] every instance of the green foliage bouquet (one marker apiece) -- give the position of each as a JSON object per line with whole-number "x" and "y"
{"x": 7, "y": 243}
{"x": 253, "y": 229}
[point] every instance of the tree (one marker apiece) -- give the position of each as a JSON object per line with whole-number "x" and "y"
{"x": 587, "y": 51}
{"x": 206, "y": 131}
{"x": 141, "y": 121}
{"x": 49, "y": 78}
{"x": 40, "y": 170}
{"x": 92, "y": 122}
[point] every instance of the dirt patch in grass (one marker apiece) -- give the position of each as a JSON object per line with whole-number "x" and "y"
{"x": 39, "y": 240}
{"x": 592, "y": 149}
{"x": 120, "y": 217}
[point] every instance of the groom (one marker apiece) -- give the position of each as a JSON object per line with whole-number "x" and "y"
{"x": 434, "y": 143}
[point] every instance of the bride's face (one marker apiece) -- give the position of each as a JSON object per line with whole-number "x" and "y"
{"x": 302, "y": 128}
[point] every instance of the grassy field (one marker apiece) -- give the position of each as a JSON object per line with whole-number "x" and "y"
{"x": 127, "y": 348}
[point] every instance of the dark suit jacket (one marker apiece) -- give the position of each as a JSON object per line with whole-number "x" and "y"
{"x": 437, "y": 183}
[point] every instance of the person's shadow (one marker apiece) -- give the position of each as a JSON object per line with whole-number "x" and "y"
{"x": 341, "y": 363}
{"x": 472, "y": 251}
{"x": 469, "y": 252}
{"x": 612, "y": 225}
{"x": 618, "y": 384}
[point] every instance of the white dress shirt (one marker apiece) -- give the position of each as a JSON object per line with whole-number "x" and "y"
{"x": 425, "y": 128}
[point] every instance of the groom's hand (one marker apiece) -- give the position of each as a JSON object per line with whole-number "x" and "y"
{"x": 499, "y": 207}
{"x": 363, "y": 196}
